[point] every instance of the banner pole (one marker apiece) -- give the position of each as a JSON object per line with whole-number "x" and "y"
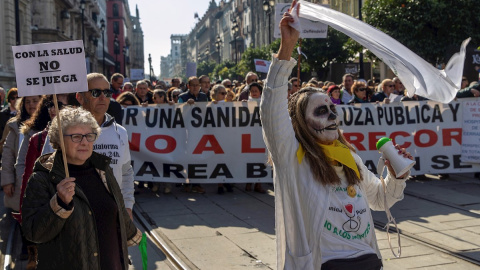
{"x": 299, "y": 61}
{"x": 62, "y": 144}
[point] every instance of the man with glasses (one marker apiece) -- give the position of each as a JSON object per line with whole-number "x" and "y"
{"x": 113, "y": 141}
{"x": 193, "y": 94}
{"x": 388, "y": 86}
{"x": 205, "y": 86}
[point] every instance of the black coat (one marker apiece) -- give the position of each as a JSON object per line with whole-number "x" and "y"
{"x": 68, "y": 239}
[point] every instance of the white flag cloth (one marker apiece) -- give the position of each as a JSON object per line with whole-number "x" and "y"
{"x": 418, "y": 76}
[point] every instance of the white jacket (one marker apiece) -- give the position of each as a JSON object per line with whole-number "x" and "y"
{"x": 301, "y": 202}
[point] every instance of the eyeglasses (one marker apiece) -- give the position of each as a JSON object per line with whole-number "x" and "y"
{"x": 362, "y": 89}
{"x": 76, "y": 138}
{"x": 228, "y": 86}
{"x": 13, "y": 98}
{"x": 391, "y": 85}
{"x": 222, "y": 93}
{"x": 97, "y": 92}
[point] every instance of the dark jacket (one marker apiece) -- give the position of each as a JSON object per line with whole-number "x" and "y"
{"x": 466, "y": 92}
{"x": 356, "y": 100}
{"x": 380, "y": 96}
{"x": 183, "y": 98}
{"x": 67, "y": 239}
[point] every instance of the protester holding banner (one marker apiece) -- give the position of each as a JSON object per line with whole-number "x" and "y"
{"x": 323, "y": 192}
{"x": 79, "y": 221}
{"x": 159, "y": 96}
{"x": 334, "y": 94}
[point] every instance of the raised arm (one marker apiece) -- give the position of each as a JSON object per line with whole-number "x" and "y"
{"x": 278, "y": 133}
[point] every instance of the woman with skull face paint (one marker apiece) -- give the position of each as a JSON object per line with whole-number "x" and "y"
{"x": 323, "y": 192}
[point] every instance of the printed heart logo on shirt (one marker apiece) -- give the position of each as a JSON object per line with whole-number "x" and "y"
{"x": 349, "y": 208}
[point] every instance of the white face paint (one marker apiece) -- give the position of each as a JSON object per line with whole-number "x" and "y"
{"x": 321, "y": 118}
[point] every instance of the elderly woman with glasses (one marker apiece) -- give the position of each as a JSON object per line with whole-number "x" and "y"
{"x": 388, "y": 87}
{"x": 360, "y": 93}
{"x": 79, "y": 221}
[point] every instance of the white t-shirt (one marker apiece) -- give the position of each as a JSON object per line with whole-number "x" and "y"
{"x": 348, "y": 232}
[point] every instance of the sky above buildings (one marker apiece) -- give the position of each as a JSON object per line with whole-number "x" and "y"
{"x": 160, "y": 19}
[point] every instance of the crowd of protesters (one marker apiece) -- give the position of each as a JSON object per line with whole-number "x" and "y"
{"x": 25, "y": 122}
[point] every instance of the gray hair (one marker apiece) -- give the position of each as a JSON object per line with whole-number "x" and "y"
{"x": 141, "y": 82}
{"x": 215, "y": 89}
{"x": 250, "y": 73}
{"x": 71, "y": 117}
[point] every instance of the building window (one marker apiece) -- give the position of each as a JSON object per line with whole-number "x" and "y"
{"x": 115, "y": 10}
{"x": 116, "y": 28}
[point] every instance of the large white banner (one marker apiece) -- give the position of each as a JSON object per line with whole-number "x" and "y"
{"x": 203, "y": 143}
{"x": 50, "y": 68}
{"x": 216, "y": 143}
{"x": 471, "y": 131}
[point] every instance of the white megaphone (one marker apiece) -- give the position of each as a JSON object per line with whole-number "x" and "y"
{"x": 400, "y": 164}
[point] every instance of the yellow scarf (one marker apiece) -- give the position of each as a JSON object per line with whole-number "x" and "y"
{"x": 336, "y": 151}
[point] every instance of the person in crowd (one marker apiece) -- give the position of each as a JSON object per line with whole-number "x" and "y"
{"x": 471, "y": 91}
{"x": 159, "y": 96}
{"x": 127, "y": 99}
{"x": 255, "y": 94}
{"x": 11, "y": 140}
{"x": 313, "y": 83}
{"x": 295, "y": 84}
{"x": 127, "y": 87}
{"x": 169, "y": 93}
{"x": 346, "y": 93}
{"x": 230, "y": 96}
{"x": 116, "y": 83}
{"x": 360, "y": 91}
{"x": 464, "y": 82}
{"x": 162, "y": 85}
{"x": 142, "y": 92}
{"x": 334, "y": 94}
{"x": 113, "y": 141}
{"x": 227, "y": 84}
{"x": 9, "y": 111}
{"x": 84, "y": 213}
{"x": 175, "y": 82}
{"x": 193, "y": 95}
{"x": 387, "y": 88}
{"x": 316, "y": 172}
{"x": 2, "y": 97}
{"x": 289, "y": 90}
{"x": 205, "y": 86}
{"x": 218, "y": 94}
{"x": 175, "y": 94}
{"x": 399, "y": 87}
{"x": 149, "y": 84}
{"x": 251, "y": 77}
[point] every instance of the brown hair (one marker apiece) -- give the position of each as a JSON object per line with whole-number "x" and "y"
{"x": 322, "y": 171}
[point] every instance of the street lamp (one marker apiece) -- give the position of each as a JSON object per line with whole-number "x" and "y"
{"x": 268, "y": 8}
{"x": 102, "y": 25}
{"x": 82, "y": 7}
{"x": 124, "y": 62}
{"x": 361, "y": 72}
{"x": 235, "y": 30}
{"x": 150, "y": 62}
{"x": 218, "y": 44}
{"x": 116, "y": 51}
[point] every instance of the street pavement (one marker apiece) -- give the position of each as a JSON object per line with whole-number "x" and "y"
{"x": 236, "y": 230}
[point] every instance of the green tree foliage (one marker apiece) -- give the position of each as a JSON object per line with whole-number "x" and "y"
{"x": 205, "y": 67}
{"x": 433, "y": 29}
{"x": 321, "y": 52}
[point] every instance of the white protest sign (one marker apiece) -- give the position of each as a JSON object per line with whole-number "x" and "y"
{"x": 471, "y": 131}
{"x": 262, "y": 65}
{"x": 50, "y": 68}
{"x": 137, "y": 74}
{"x": 310, "y": 29}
